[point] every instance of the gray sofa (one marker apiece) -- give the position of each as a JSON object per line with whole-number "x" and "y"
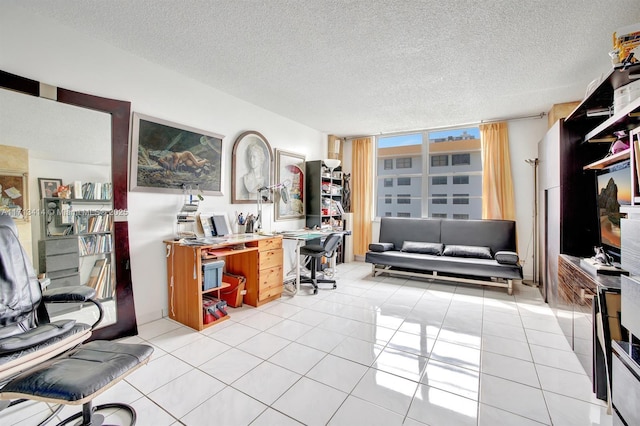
{"x": 473, "y": 251}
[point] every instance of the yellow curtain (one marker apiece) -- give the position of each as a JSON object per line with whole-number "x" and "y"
{"x": 498, "y": 200}
{"x": 362, "y": 193}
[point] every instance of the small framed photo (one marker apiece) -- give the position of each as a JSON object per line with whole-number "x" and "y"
{"x": 13, "y": 194}
{"x": 48, "y": 187}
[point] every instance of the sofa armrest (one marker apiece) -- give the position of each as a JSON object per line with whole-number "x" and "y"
{"x": 380, "y": 247}
{"x": 506, "y": 257}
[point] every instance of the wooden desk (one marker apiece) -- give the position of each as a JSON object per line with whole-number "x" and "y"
{"x": 258, "y": 258}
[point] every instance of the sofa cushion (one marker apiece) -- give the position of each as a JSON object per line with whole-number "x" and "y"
{"x": 380, "y": 247}
{"x": 424, "y": 248}
{"x": 507, "y": 257}
{"x": 477, "y": 252}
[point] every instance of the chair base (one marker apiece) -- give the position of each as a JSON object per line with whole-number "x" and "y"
{"x": 90, "y": 417}
{"x": 314, "y": 282}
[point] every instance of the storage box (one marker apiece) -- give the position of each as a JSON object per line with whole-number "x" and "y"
{"x": 233, "y": 294}
{"x": 212, "y": 272}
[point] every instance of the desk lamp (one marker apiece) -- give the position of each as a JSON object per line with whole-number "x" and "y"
{"x": 263, "y": 195}
{"x": 331, "y": 164}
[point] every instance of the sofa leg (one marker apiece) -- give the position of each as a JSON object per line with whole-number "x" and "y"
{"x": 510, "y": 287}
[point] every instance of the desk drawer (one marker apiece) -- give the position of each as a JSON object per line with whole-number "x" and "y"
{"x": 270, "y": 244}
{"x": 270, "y": 258}
{"x": 270, "y": 278}
{"x": 273, "y": 291}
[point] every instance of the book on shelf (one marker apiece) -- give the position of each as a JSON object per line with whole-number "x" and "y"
{"x": 95, "y": 273}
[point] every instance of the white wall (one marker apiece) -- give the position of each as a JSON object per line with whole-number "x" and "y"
{"x": 43, "y": 50}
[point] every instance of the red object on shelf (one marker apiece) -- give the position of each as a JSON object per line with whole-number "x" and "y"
{"x": 233, "y": 294}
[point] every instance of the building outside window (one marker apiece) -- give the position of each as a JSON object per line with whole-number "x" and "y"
{"x": 460, "y": 216}
{"x": 404, "y": 198}
{"x": 439, "y": 160}
{"x": 403, "y": 163}
{"x": 430, "y": 167}
{"x": 387, "y": 214}
{"x": 461, "y": 180}
{"x": 460, "y": 198}
{"x": 404, "y": 214}
{"x": 439, "y": 215}
{"x": 439, "y": 180}
{"x": 439, "y": 199}
{"x": 460, "y": 159}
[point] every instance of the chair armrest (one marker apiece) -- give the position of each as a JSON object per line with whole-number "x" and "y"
{"x": 507, "y": 257}
{"x": 68, "y": 294}
{"x": 380, "y": 247}
{"x": 74, "y": 294}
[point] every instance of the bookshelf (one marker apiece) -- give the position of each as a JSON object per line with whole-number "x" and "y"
{"x": 76, "y": 244}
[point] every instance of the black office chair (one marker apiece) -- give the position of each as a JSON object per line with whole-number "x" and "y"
{"x": 314, "y": 252}
{"x": 47, "y": 360}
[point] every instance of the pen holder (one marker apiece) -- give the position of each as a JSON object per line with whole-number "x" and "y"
{"x": 240, "y": 229}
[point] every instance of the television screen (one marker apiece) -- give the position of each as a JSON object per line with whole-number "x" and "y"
{"x": 614, "y": 190}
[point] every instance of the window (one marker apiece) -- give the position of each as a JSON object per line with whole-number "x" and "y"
{"x": 404, "y": 199}
{"x": 416, "y": 173}
{"x": 460, "y": 198}
{"x": 460, "y": 159}
{"x": 460, "y": 216}
{"x": 440, "y": 180}
{"x": 387, "y": 214}
{"x": 439, "y": 160}
{"x": 404, "y": 214}
{"x": 403, "y": 163}
{"x": 439, "y": 199}
{"x": 461, "y": 180}
{"x": 439, "y": 215}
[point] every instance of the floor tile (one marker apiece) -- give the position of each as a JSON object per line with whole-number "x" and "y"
{"x": 516, "y": 398}
{"x": 283, "y": 310}
{"x": 451, "y": 353}
{"x": 338, "y": 373}
{"x": 175, "y": 339}
{"x": 452, "y": 378}
{"x": 230, "y": 365}
{"x": 492, "y": 416}
{"x": 228, "y": 407}
{"x": 357, "y": 350}
{"x": 403, "y": 364}
{"x": 567, "y": 411}
{"x": 355, "y": 411}
{"x": 155, "y": 328}
{"x": 200, "y": 351}
{"x": 186, "y": 392}
{"x": 507, "y": 347}
{"x": 434, "y": 406}
{"x": 234, "y": 334}
{"x": 564, "y": 360}
{"x": 266, "y": 382}
{"x": 263, "y": 345}
{"x": 418, "y": 344}
{"x": 291, "y": 330}
{"x": 387, "y": 390}
{"x": 321, "y": 339}
{"x": 510, "y": 368}
{"x": 147, "y": 413}
{"x": 271, "y": 417}
{"x": 298, "y": 358}
{"x": 157, "y": 373}
{"x": 310, "y": 402}
{"x": 563, "y": 382}
{"x": 550, "y": 340}
{"x": 261, "y": 320}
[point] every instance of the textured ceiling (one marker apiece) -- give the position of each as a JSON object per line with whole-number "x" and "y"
{"x": 372, "y": 66}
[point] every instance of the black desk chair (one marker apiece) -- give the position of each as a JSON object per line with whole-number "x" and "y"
{"x": 47, "y": 360}
{"x": 315, "y": 252}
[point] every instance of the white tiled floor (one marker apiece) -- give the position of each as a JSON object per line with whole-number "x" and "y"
{"x": 388, "y": 351}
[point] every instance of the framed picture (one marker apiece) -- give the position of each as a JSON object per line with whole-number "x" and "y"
{"x": 252, "y": 167}
{"x": 173, "y": 158}
{"x": 48, "y": 187}
{"x": 290, "y": 171}
{"x": 14, "y": 198}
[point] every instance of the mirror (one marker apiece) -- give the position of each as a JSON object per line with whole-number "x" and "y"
{"x": 74, "y": 139}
